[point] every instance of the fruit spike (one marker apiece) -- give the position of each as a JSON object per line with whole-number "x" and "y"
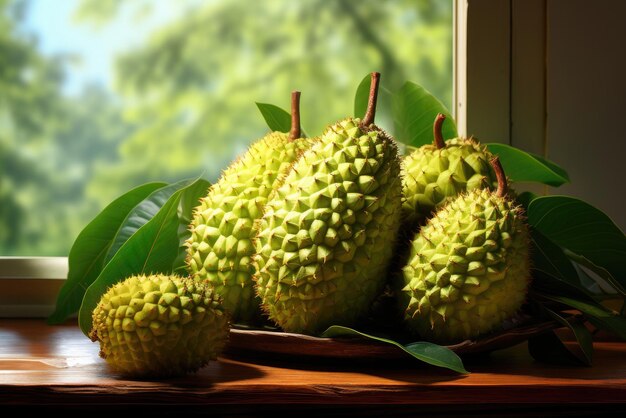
{"x": 370, "y": 114}
{"x": 502, "y": 183}
{"x": 295, "y": 131}
{"x": 437, "y": 133}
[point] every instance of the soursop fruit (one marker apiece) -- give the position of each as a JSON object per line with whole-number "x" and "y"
{"x": 159, "y": 326}
{"x": 327, "y": 235}
{"x": 469, "y": 266}
{"x": 223, "y": 228}
{"x": 436, "y": 172}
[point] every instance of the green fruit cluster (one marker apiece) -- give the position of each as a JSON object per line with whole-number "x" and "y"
{"x": 310, "y": 231}
{"x": 315, "y": 237}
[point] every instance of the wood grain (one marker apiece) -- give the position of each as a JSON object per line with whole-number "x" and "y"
{"x": 43, "y": 365}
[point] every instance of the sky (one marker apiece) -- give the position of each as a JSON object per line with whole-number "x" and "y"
{"x": 53, "y": 23}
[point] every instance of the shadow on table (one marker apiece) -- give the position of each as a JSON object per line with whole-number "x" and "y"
{"x": 400, "y": 369}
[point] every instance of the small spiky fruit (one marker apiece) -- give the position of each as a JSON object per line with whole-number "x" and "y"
{"x": 434, "y": 173}
{"x": 223, "y": 228}
{"x": 327, "y": 235}
{"x": 469, "y": 266}
{"x": 159, "y": 326}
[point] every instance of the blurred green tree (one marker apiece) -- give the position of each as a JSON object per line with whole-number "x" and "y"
{"x": 183, "y": 103}
{"x": 50, "y": 145}
{"x": 191, "y": 89}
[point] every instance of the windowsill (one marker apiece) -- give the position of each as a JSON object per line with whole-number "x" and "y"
{"x": 29, "y": 285}
{"x": 45, "y": 365}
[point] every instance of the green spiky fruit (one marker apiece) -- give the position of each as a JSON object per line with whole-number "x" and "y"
{"x": 223, "y": 228}
{"x": 469, "y": 267}
{"x": 327, "y": 235}
{"x": 436, "y": 172}
{"x": 159, "y": 326}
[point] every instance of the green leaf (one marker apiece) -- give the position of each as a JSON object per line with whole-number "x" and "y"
{"x": 582, "y": 335}
{"x": 276, "y": 118}
{"x": 583, "y": 229}
{"x": 549, "y": 257}
{"x": 86, "y": 257}
{"x": 546, "y": 283}
{"x": 525, "y": 166}
{"x": 189, "y": 200}
{"x": 361, "y": 96}
{"x": 525, "y": 198}
{"x": 601, "y": 272}
{"x": 414, "y": 111}
{"x": 141, "y": 214}
{"x": 152, "y": 249}
{"x": 597, "y": 314}
{"x": 384, "y": 103}
{"x": 548, "y": 348}
{"x": 430, "y": 353}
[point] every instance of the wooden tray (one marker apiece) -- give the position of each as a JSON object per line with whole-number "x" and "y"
{"x": 254, "y": 342}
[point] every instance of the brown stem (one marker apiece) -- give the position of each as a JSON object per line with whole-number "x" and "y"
{"x": 502, "y": 184}
{"x": 295, "y": 131}
{"x": 437, "y": 130}
{"x": 370, "y": 114}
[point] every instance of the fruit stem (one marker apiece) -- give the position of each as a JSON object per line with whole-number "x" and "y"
{"x": 370, "y": 114}
{"x": 295, "y": 131}
{"x": 503, "y": 187}
{"x": 437, "y": 130}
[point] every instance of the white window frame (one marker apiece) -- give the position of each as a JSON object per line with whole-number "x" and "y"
{"x": 488, "y": 96}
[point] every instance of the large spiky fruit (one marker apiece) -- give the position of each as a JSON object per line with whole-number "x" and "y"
{"x": 223, "y": 228}
{"x": 436, "y": 172}
{"x": 327, "y": 235}
{"x": 469, "y": 267}
{"x": 159, "y": 326}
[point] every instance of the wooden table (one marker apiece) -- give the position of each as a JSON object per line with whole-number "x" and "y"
{"x": 44, "y": 365}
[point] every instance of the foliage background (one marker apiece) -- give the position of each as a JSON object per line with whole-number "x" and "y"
{"x": 183, "y": 102}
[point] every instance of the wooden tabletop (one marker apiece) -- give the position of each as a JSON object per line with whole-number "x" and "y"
{"x": 58, "y": 365}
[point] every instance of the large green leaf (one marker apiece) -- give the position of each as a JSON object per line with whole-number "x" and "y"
{"x": 525, "y": 166}
{"x": 86, "y": 257}
{"x": 189, "y": 200}
{"x": 152, "y": 249}
{"x": 414, "y": 111}
{"x": 583, "y": 229}
{"x": 430, "y": 353}
{"x": 276, "y": 118}
{"x": 141, "y": 214}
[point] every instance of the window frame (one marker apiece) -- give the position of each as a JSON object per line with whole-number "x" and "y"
{"x": 29, "y": 285}
{"x": 485, "y": 99}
